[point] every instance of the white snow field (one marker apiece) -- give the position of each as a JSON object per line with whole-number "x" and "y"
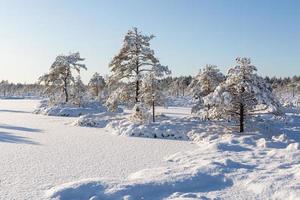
{"x": 262, "y": 164}
{"x": 39, "y": 152}
{"x": 44, "y": 157}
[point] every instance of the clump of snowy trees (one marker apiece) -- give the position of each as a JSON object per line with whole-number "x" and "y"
{"x": 139, "y": 81}
{"x": 134, "y": 74}
{"x": 242, "y": 94}
{"x": 179, "y": 85}
{"x": 287, "y": 89}
{"x": 19, "y": 90}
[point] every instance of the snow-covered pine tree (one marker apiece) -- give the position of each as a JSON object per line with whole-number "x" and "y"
{"x": 60, "y": 75}
{"x": 151, "y": 93}
{"x": 96, "y": 85}
{"x": 134, "y": 59}
{"x": 241, "y": 94}
{"x": 78, "y": 91}
{"x": 203, "y": 84}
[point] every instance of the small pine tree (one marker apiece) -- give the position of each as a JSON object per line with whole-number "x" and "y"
{"x": 97, "y": 85}
{"x": 134, "y": 59}
{"x": 151, "y": 93}
{"x": 60, "y": 76}
{"x": 204, "y": 84}
{"x": 241, "y": 93}
{"x": 78, "y": 92}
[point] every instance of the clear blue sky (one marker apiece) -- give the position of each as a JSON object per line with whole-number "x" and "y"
{"x": 190, "y": 33}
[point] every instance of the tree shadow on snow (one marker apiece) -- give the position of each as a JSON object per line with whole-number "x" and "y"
{"x": 10, "y": 138}
{"x": 19, "y": 128}
{"x": 14, "y": 111}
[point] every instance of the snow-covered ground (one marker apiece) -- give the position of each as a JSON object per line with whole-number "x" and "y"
{"x": 40, "y": 152}
{"x": 47, "y": 157}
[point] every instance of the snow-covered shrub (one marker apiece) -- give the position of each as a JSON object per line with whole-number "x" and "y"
{"x": 204, "y": 84}
{"x": 98, "y": 120}
{"x": 140, "y": 114}
{"x": 119, "y": 95}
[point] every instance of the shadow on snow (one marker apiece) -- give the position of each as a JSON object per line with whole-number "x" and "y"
{"x": 10, "y": 138}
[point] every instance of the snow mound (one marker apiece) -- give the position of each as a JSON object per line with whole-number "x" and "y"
{"x": 165, "y": 127}
{"x": 69, "y": 110}
{"x": 98, "y": 120}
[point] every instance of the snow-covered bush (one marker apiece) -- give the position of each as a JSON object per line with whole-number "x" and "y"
{"x": 140, "y": 114}
{"x": 99, "y": 120}
{"x": 204, "y": 84}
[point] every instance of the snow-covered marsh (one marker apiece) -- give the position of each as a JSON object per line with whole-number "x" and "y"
{"x": 262, "y": 163}
{"x": 46, "y": 157}
{"x": 229, "y": 167}
{"x": 40, "y": 152}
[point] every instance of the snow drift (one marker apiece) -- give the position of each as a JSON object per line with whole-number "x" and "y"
{"x": 225, "y": 167}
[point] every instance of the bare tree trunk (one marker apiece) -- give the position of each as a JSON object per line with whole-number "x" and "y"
{"x": 66, "y": 94}
{"x": 66, "y": 87}
{"x": 241, "y": 118}
{"x": 137, "y": 88}
{"x": 153, "y": 110}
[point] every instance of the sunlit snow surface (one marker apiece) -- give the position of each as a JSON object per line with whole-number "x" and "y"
{"x": 39, "y": 152}
{"x": 49, "y": 158}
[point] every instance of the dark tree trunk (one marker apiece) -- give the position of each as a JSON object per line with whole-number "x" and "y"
{"x": 66, "y": 94}
{"x": 137, "y": 87}
{"x": 241, "y": 117}
{"x": 97, "y": 91}
{"x": 66, "y": 87}
{"x": 153, "y": 110}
